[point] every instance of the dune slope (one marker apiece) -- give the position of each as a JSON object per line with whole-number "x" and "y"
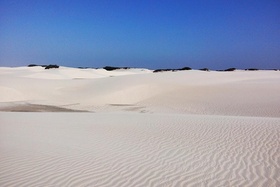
{"x": 237, "y": 93}
{"x": 121, "y": 149}
{"x": 90, "y": 127}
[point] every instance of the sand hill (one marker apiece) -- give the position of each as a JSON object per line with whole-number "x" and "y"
{"x": 133, "y": 127}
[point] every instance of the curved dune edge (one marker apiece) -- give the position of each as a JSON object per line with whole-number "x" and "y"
{"x": 26, "y": 107}
{"x": 122, "y": 149}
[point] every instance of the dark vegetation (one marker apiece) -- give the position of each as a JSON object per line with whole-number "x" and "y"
{"x": 229, "y": 69}
{"x": 111, "y": 68}
{"x": 185, "y": 68}
{"x": 251, "y": 69}
{"x": 44, "y": 66}
{"x": 87, "y": 68}
{"x": 33, "y": 65}
{"x": 162, "y": 70}
{"x": 204, "y": 69}
{"x": 51, "y": 66}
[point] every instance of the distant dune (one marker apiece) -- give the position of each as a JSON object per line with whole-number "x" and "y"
{"x": 132, "y": 127}
{"x": 238, "y": 93}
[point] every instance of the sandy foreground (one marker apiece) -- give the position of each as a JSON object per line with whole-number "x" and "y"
{"x": 88, "y": 127}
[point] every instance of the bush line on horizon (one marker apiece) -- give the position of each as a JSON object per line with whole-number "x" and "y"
{"x": 181, "y": 69}
{"x": 44, "y": 66}
{"x": 112, "y": 68}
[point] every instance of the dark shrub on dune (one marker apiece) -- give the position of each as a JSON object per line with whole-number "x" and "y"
{"x": 184, "y": 68}
{"x": 163, "y": 70}
{"x": 32, "y": 65}
{"x": 51, "y": 66}
{"x": 83, "y": 67}
{"x": 230, "y": 69}
{"x": 251, "y": 69}
{"x": 111, "y": 68}
{"x": 35, "y": 65}
{"x": 204, "y": 69}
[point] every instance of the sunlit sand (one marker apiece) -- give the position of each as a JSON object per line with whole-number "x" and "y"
{"x": 92, "y": 127}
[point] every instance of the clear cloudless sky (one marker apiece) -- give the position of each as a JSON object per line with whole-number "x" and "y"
{"x": 141, "y": 33}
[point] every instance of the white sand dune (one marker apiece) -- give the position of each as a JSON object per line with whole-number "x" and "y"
{"x": 188, "y": 128}
{"x": 190, "y": 92}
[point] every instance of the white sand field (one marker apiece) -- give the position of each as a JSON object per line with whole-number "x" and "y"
{"x": 92, "y": 127}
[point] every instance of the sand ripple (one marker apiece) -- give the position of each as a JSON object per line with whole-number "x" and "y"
{"x": 122, "y": 149}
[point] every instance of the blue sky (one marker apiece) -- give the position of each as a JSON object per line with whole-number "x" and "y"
{"x": 141, "y": 33}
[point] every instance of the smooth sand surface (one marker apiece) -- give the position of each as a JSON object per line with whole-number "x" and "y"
{"x": 239, "y": 93}
{"x": 88, "y": 127}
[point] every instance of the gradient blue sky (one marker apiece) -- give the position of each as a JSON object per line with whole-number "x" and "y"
{"x": 141, "y": 33}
